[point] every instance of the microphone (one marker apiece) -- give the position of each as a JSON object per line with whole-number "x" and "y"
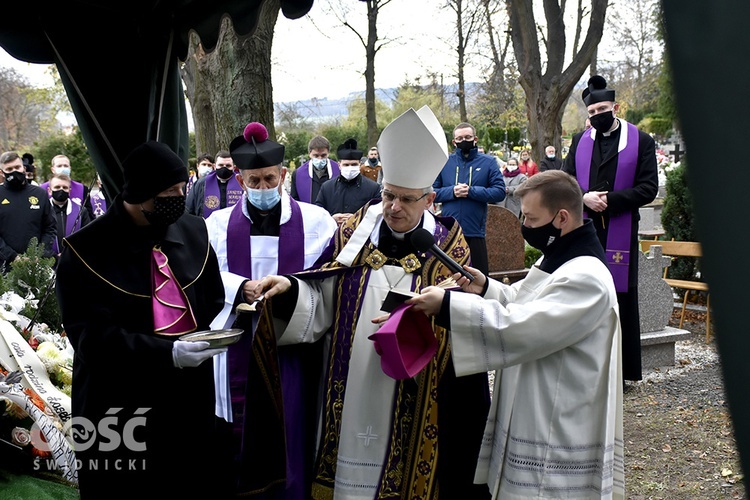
{"x": 423, "y": 241}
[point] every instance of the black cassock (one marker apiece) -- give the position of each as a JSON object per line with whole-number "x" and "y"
{"x": 645, "y": 187}
{"x": 124, "y": 372}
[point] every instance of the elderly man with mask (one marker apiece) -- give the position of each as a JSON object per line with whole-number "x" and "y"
{"x": 385, "y": 437}
{"x": 266, "y": 232}
{"x": 129, "y": 285}
{"x": 348, "y": 192}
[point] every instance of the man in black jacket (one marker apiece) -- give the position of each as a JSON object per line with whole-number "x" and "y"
{"x": 550, "y": 161}
{"x": 349, "y": 191}
{"x": 25, "y": 212}
{"x": 129, "y": 285}
{"x": 615, "y": 164}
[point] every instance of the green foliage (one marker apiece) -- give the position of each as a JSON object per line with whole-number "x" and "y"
{"x": 338, "y": 134}
{"x": 70, "y": 145}
{"x": 655, "y": 124}
{"x": 357, "y": 117}
{"x": 678, "y": 221}
{"x": 32, "y": 274}
{"x": 530, "y": 255}
{"x": 295, "y": 142}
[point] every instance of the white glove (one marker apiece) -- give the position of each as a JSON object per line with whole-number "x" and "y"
{"x": 190, "y": 354}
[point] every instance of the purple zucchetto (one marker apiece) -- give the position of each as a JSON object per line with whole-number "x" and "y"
{"x": 253, "y": 149}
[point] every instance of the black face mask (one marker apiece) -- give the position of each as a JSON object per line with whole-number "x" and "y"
{"x": 373, "y": 161}
{"x": 602, "y": 122}
{"x": 60, "y": 195}
{"x": 465, "y": 146}
{"x": 167, "y": 209}
{"x": 224, "y": 173}
{"x": 541, "y": 237}
{"x": 15, "y": 180}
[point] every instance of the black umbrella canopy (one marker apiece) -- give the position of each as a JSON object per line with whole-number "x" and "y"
{"x": 119, "y": 63}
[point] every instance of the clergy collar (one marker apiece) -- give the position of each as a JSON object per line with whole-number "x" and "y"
{"x": 617, "y": 126}
{"x": 257, "y": 214}
{"x": 402, "y": 236}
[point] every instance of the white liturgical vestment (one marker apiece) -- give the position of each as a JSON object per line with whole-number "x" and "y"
{"x": 555, "y": 425}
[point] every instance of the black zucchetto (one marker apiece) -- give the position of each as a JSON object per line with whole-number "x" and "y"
{"x": 597, "y": 91}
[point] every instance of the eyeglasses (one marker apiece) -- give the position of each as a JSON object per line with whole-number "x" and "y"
{"x": 464, "y": 138}
{"x": 406, "y": 200}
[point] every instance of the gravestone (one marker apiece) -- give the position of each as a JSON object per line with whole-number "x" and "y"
{"x": 647, "y": 222}
{"x": 505, "y": 244}
{"x": 655, "y": 305}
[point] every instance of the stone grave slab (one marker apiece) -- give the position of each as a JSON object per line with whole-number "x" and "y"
{"x": 505, "y": 245}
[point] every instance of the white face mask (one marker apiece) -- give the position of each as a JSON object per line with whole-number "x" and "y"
{"x": 203, "y": 170}
{"x": 511, "y": 168}
{"x": 349, "y": 173}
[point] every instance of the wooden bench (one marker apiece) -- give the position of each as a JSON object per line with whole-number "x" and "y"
{"x": 676, "y": 249}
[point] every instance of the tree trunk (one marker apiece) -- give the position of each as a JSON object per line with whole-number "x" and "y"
{"x": 461, "y": 93}
{"x": 371, "y": 50}
{"x": 546, "y": 94}
{"x": 231, "y": 86}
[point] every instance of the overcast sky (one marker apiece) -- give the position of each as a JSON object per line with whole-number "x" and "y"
{"x": 316, "y": 56}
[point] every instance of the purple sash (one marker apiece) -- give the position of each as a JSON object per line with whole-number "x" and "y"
{"x": 303, "y": 179}
{"x": 620, "y": 225}
{"x": 212, "y": 193}
{"x": 99, "y": 204}
{"x": 72, "y": 224}
{"x": 291, "y": 260}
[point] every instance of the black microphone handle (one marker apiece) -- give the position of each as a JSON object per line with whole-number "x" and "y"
{"x": 450, "y": 263}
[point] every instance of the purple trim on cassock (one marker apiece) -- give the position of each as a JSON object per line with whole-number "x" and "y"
{"x": 211, "y": 188}
{"x": 291, "y": 258}
{"x": 620, "y": 228}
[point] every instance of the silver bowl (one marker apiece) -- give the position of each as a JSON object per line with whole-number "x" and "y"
{"x": 215, "y": 338}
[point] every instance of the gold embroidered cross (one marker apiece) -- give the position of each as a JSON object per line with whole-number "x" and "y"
{"x": 617, "y": 257}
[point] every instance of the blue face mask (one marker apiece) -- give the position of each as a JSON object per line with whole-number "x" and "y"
{"x": 319, "y": 163}
{"x": 264, "y": 199}
{"x": 64, "y": 170}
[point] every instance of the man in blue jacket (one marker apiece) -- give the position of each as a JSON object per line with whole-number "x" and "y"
{"x": 468, "y": 182}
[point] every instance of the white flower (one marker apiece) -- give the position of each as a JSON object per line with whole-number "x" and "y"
{"x": 20, "y": 436}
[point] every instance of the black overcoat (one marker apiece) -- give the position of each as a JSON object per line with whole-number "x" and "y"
{"x": 124, "y": 372}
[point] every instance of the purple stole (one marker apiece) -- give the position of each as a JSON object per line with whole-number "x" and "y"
{"x": 303, "y": 179}
{"x": 72, "y": 224}
{"x": 621, "y": 225}
{"x": 211, "y": 195}
{"x": 99, "y": 204}
{"x": 291, "y": 259}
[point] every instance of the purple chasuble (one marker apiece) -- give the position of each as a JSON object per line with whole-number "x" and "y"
{"x": 303, "y": 179}
{"x": 620, "y": 225}
{"x": 72, "y": 224}
{"x": 212, "y": 193}
{"x": 291, "y": 259}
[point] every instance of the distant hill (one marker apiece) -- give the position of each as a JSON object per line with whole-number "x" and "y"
{"x": 317, "y": 110}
